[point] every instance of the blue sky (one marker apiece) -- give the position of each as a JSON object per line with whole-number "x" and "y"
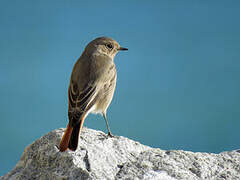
{"x": 178, "y": 85}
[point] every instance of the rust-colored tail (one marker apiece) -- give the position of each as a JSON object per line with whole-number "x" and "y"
{"x": 73, "y": 143}
{"x": 71, "y": 135}
{"x": 65, "y": 139}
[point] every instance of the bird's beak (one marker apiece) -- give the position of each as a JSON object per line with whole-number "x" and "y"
{"x": 122, "y": 49}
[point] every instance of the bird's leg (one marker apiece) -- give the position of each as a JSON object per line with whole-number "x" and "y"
{"x": 105, "y": 118}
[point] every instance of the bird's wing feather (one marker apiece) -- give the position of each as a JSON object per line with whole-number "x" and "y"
{"x": 80, "y": 99}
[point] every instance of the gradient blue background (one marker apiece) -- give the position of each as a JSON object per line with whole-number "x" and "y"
{"x": 178, "y": 85}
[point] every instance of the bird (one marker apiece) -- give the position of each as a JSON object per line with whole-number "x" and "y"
{"x": 91, "y": 88}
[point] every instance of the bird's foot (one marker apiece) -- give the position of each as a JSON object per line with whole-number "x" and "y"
{"x": 110, "y": 135}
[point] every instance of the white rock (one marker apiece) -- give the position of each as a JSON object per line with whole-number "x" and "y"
{"x": 99, "y": 157}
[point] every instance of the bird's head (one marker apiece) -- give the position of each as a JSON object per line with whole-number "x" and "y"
{"x": 103, "y": 46}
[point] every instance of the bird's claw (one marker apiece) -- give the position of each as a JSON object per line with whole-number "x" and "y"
{"x": 110, "y": 135}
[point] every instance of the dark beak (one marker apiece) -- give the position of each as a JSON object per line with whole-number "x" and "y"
{"x": 123, "y": 49}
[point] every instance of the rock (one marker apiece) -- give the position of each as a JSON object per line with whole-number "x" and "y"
{"x": 100, "y": 157}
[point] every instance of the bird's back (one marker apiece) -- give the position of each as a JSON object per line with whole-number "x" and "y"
{"x": 94, "y": 73}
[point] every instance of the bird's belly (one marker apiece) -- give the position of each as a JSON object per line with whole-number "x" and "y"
{"x": 103, "y": 100}
{"x": 94, "y": 109}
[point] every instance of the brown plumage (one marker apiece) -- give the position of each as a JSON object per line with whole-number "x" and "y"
{"x": 91, "y": 88}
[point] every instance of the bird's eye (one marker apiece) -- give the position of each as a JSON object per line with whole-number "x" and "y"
{"x": 109, "y": 46}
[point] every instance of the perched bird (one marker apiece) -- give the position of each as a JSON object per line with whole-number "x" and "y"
{"x": 91, "y": 88}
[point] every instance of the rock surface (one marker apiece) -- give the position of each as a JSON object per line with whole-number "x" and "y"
{"x": 100, "y": 157}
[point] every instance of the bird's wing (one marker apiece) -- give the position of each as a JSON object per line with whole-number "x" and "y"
{"x": 80, "y": 99}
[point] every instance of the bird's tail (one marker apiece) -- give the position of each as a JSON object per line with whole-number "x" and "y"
{"x": 73, "y": 143}
{"x": 65, "y": 139}
{"x": 71, "y": 135}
